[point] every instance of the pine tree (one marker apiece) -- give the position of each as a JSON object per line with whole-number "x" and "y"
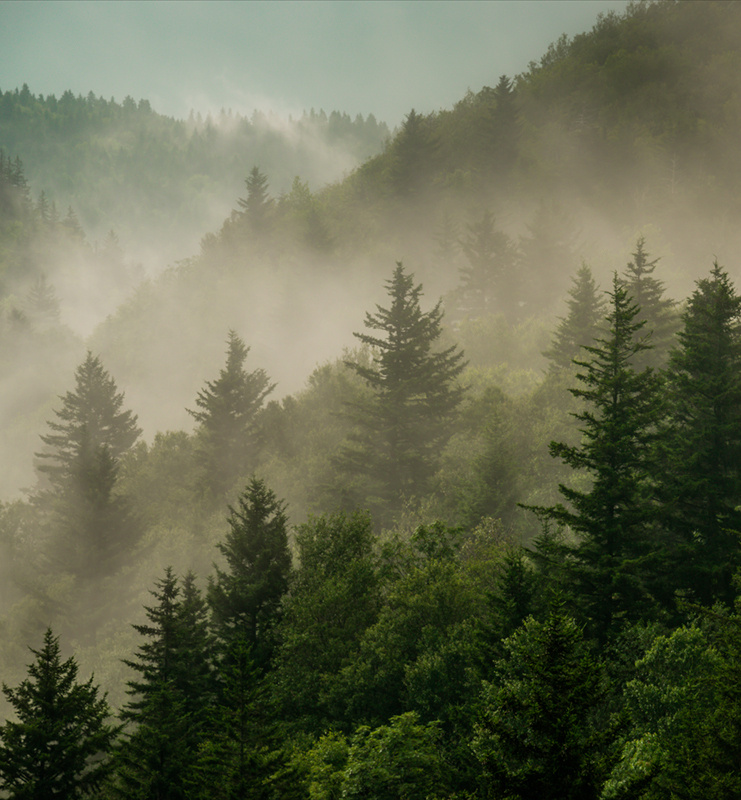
{"x": 415, "y": 397}
{"x": 60, "y": 744}
{"x": 612, "y": 519}
{"x": 246, "y": 598}
{"x": 701, "y": 479}
{"x": 413, "y": 153}
{"x": 257, "y": 207}
{"x": 657, "y": 311}
{"x": 167, "y": 714}
{"x": 42, "y": 305}
{"x": 486, "y": 279}
{"x": 581, "y": 325}
{"x": 94, "y": 528}
{"x": 227, "y": 417}
{"x": 499, "y": 128}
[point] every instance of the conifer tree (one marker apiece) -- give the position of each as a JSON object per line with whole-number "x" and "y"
{"x": 414, "y": 150}
{"x": 415, "y": 397}
{"x": 257, "y": 207}
{"x": 701, "y": 479}
{"x": 226, "y": 414}
{"x": 613, "y": 519}
{"x": 581, "y": 325}
{"x": 656, "y": 310}
{"x": 167, "y": 713}
{"x": 245, "y": 598}
{"x": 60, "y": 743}
{"x": 94, "y": 527}
{"x": 486, "y": 281}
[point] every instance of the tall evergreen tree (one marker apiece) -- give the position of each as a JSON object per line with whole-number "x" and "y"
{"x": 487, "y": 277}
{"x": 167, "y": 713}
{"x": 415, "y": 396}
{"x": 227, "y": 419}
{"x": 612, "y": 519}
{"x": 94, "y": 527}
{"x": 245, "y": 598}
{"x": 546, "y": 253}
{"x": 701, "y": 479}
{"x": 59, "y": 745}
{"x": 656, "y": 310}
{"x": 257, "y": 207}
{"x": 413, "y": 150}
{"x": 581, "y": 325}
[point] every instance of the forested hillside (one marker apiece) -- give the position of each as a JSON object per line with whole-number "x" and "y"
{"x": 420, "y": 483}
{"x": 158, "y": 182}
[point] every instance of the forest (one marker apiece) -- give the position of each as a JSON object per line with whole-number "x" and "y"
{"x": 418, "y": 479}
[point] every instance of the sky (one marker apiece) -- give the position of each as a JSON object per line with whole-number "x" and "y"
{"x": 383, "y": 57}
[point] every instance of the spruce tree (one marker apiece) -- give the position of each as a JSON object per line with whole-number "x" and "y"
{"x": 402, "y": 429}
{"x": 245, "y": 598}
{"x": 93, "y": 527}
{"x": 170, "y": 696}
{"x": 613, "y": 520}
{"x": 257, "y": 207}
{"x": 227, "y": 410}
{"x": 487, "y": 277}
{"x": 413, "y": 153}
{"x": 60, "y": 743}
{"x": 579, "y": 328}
{"x": 657, "y": 311}
{"x": 701, "y": 479}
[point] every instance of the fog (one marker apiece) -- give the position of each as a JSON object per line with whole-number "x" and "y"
{"x": 171, "y": 257}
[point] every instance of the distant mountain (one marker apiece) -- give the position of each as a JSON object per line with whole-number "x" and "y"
{"x": 158, "y": 182}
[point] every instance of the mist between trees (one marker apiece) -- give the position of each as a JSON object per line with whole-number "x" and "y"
{"x": 489, "y": 548}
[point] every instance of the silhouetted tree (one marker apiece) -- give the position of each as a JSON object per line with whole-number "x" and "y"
{"x": 94, "y": 528}
{"x": 227, "y": 419}
{"x": 581, "y": 326}
{"x": 257, "y": 207}
{"x": 487, "y": 279}
{"x": 657, "y": 311}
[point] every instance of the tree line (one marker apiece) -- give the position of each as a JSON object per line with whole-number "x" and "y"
{"x": 354, "y": 656}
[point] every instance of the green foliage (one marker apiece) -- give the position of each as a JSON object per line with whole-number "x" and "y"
{"x": 245, "y": 598}
{"x": 542, "y": 731}
{"x": 702, "y": 481}
{"x": 333, "y": 598}
{"x": 174, "y": 687}
{"x": 400, "y": 432}
{"x": 488, "y": 280}
{"x": 608, "y": 564}
{"x": 227, "y": 412}
{"x": 669, "y": 702}
{"x": 93, "y": 526}
{"x": 657, "y": 311}
{"x": 238, "y": 756}
{"x": 398, "y": 760}
{"x": 581, "y": 326}
{"x": 61, "y": 742}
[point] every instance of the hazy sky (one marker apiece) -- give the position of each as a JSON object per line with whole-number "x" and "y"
{"x": 383, "y": 57}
